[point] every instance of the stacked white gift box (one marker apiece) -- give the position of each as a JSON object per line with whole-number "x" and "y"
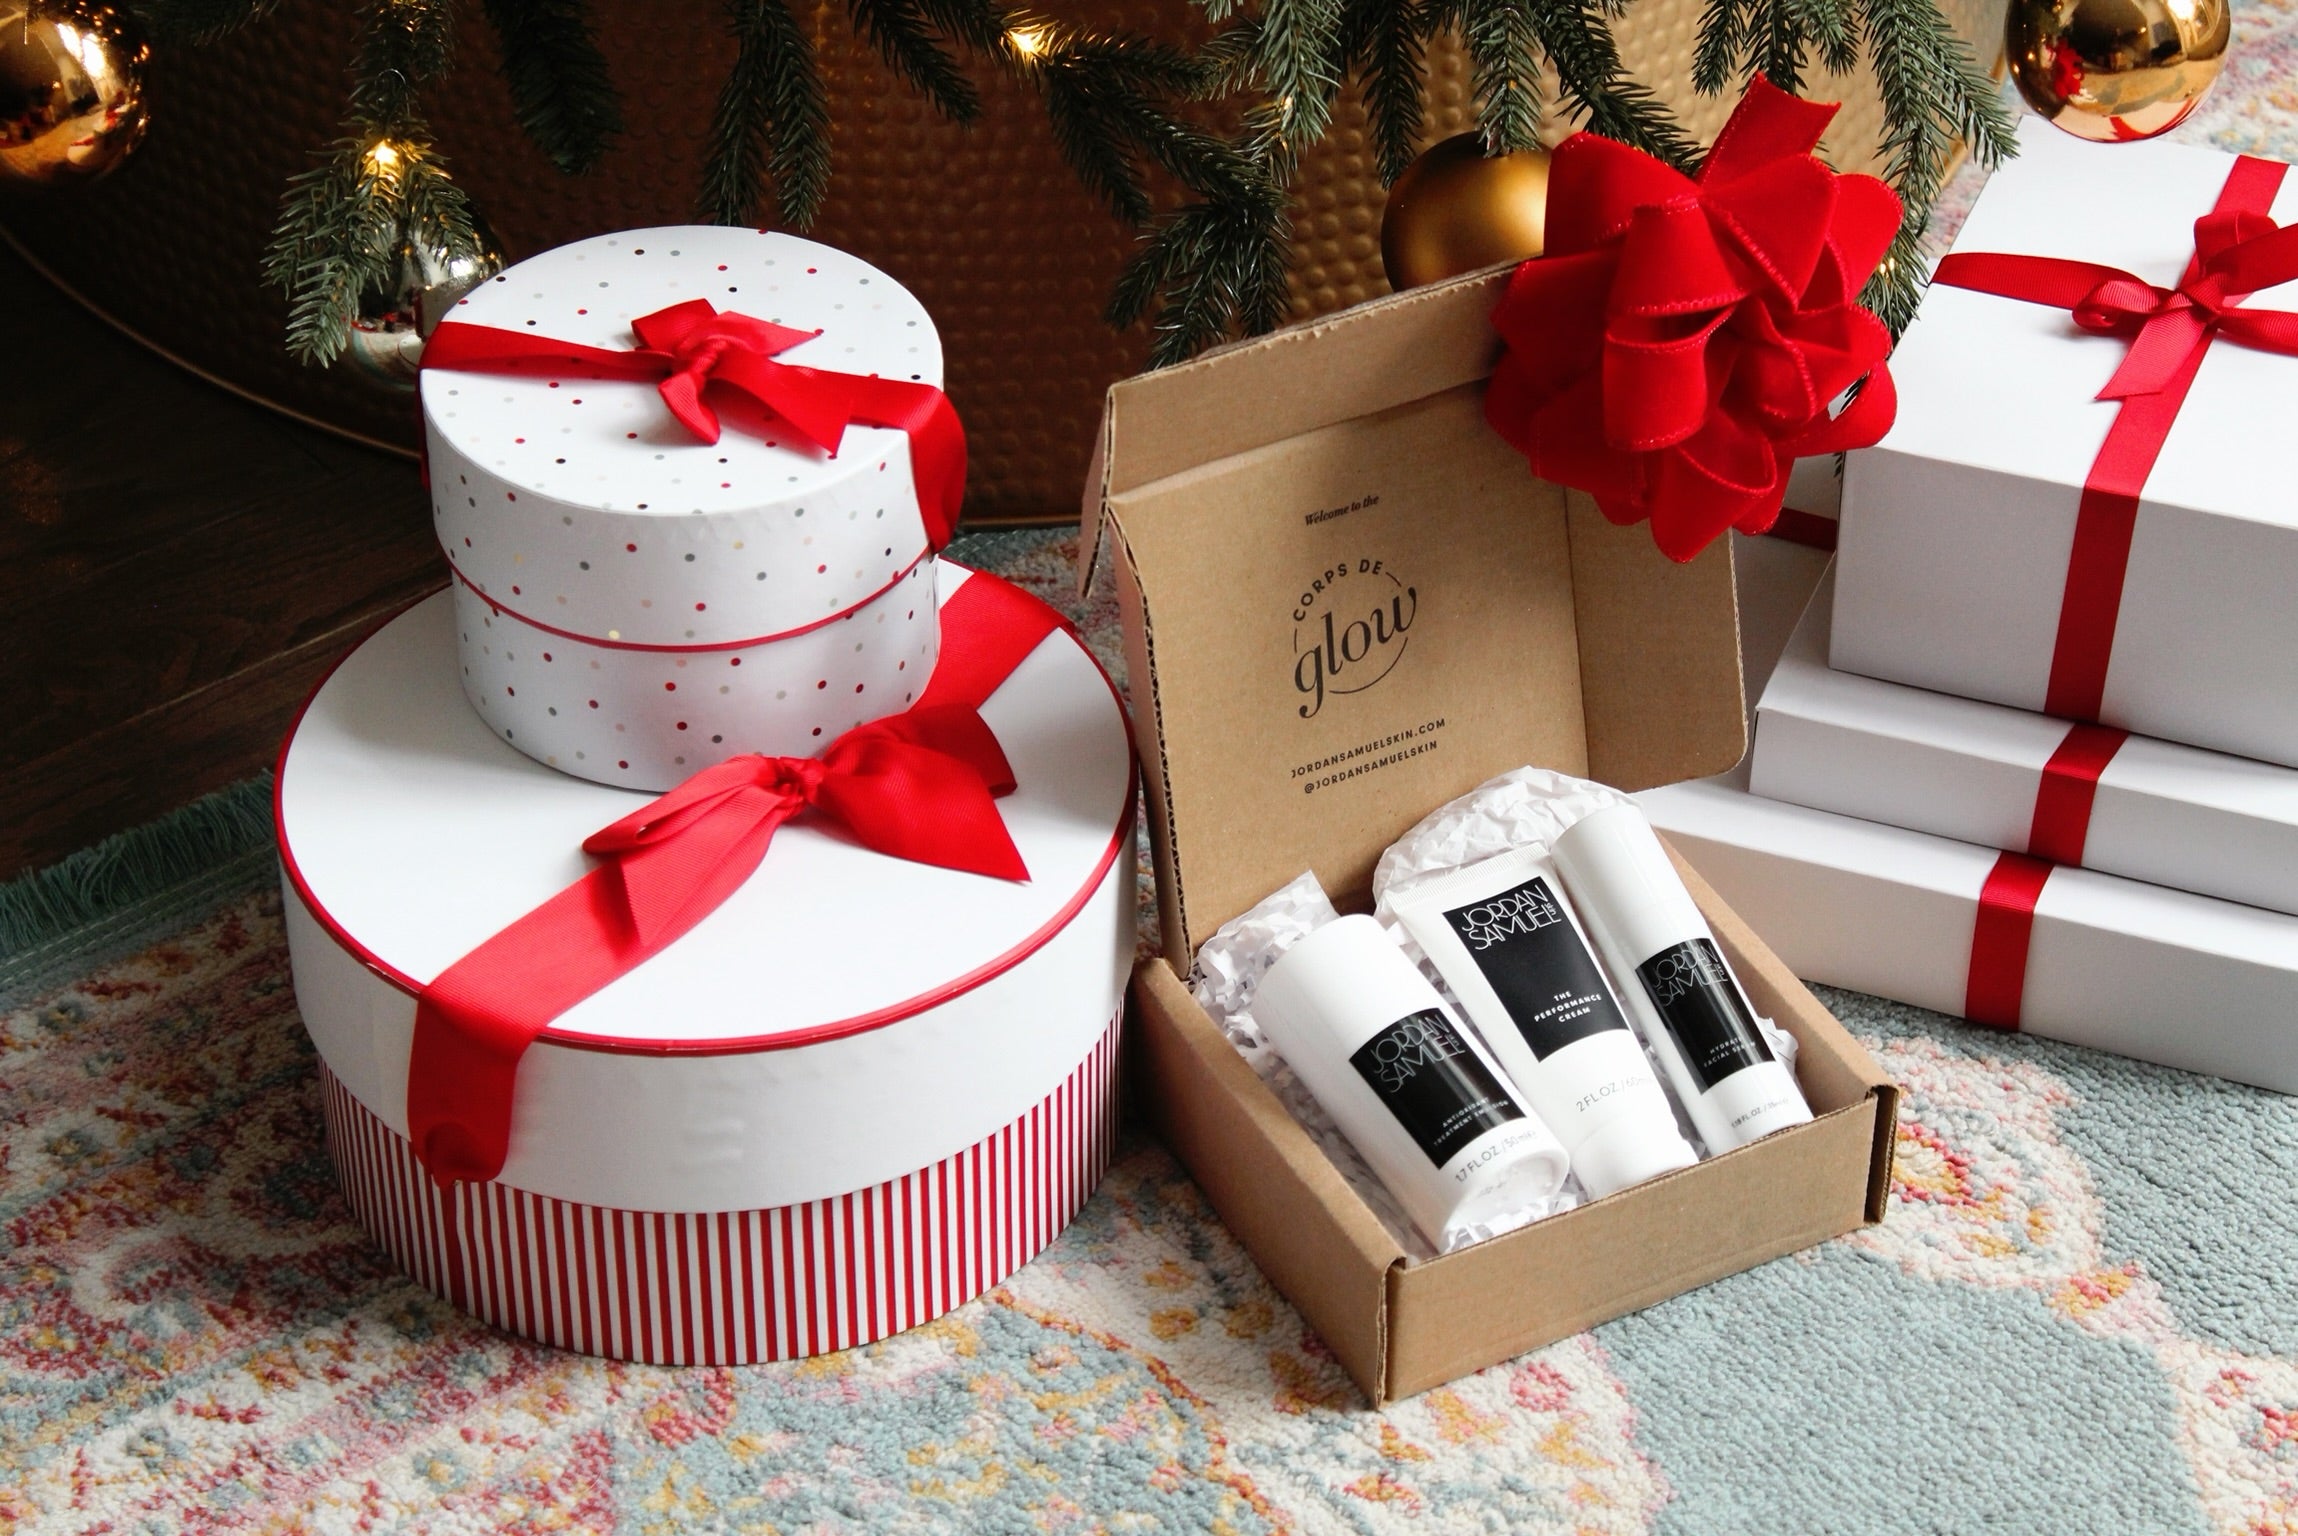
{"x": 2027, "y": 756}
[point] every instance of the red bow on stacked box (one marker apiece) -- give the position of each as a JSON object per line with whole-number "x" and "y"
{"x": 691, "y": 345}
{"x": 920, "y": 785}
{"x": 2237, "y": 251}
{"x": 1683, "y": 341}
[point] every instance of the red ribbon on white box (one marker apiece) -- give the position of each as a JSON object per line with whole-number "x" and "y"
{"x": 920, "y": 785}
{"x": 2238, "y": 250}
{"x": 2003, "y": 931}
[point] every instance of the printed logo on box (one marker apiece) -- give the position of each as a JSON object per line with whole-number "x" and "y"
{"x": 1350, "y": 629}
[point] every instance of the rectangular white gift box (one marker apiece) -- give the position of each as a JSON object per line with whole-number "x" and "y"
{"x": 853, "y": 1096}
{"x": 1930, "y": 762}
{"x": 2189, "y": 981}
{"x": 1957, "y": 528}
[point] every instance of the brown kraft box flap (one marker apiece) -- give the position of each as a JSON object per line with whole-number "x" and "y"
{"x": 1354, "y": 602}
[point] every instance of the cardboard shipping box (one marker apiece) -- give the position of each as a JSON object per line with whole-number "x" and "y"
{"x": 1345, "y": 602}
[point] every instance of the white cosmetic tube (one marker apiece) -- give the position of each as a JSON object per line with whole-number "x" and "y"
{"x": 1674, "y": 980}
{"x": 1405, "y": 1082}
{"x": 1504, "y": 939}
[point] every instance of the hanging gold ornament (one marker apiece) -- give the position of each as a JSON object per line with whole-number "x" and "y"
{"x": 395, "y": 317}
{"x": 2115, "y": 70}
{"x": 1456, "y": 209}
{"x": 72, "y": 102}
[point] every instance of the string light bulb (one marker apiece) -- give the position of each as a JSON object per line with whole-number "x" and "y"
{"x": 1029, "y": 42}
{"x": 383, "y": 158}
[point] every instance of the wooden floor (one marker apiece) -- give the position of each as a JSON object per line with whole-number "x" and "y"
{"x": 177, "y": 567}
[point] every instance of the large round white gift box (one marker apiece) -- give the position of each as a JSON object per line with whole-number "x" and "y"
{"x": 634, "y": 604}
{"x": 854, "y": 1096}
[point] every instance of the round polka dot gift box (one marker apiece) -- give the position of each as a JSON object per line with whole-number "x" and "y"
{"x": 690, "y": 482}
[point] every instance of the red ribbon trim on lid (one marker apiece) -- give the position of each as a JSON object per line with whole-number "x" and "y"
{"x": 919, "y": 785}
{"x": 2238, "y": 250}
{"x": 687, "y": 347}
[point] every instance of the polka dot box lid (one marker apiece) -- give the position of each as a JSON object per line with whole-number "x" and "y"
{"x": 581, "y": 504}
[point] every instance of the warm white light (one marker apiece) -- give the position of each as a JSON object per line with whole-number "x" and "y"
{"x": 1029, "y": 42}
{"x": 382, "y": 157}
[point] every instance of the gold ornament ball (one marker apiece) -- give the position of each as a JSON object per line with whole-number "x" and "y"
{"x": 1456, "y": 209}
{"x": 396, "y": 317}
{"x": 72, "y": 103}
{"x": 2115, "y": 70}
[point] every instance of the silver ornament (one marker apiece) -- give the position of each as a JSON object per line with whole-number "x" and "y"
{"x": 395, "y": 317}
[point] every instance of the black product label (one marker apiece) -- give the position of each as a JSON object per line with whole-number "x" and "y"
{"x": 1704, "y": 1010}
{"x": 1529, "y": 951}
{"x": 1437, "y": 1087}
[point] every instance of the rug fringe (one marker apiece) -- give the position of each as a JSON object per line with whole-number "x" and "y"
{"x": 135, "y": 869}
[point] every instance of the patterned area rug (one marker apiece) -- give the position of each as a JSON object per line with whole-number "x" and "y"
{"x": 2081, "y": 1315}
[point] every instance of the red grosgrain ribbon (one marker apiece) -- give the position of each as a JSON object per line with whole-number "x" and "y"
{"x": 2069, "y": 788}
{"x": 1995, "y": 989}
{"x": 1682, "y": 342}
{"x": 2237, "y": 251}
{"x": 688, "y": 346}
{"x": 918, "y": 785}
{"x": 2000, "y": 936}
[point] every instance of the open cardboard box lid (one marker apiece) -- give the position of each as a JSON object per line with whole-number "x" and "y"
{"x": 1346, "y": 601}
{"x": 1353, "y": 602}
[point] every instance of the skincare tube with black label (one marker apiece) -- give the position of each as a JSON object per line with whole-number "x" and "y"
{"x": 1674, "y": 980}
{"x": 1359, "y": 1024}
{"x": 1503, "y": 937}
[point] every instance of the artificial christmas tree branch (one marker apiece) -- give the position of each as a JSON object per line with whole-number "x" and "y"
{"x": 773, "y": 120}
{"x": 558, "y": 79}
{"x": 1122, "y": 112}
{"x": 344, "y": 225}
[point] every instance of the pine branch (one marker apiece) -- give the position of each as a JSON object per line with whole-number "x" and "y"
{"x": 200, "y": 21}
{"x": 558, "y": 79}
{"x": 1229, "y": 62}
{"x": 1387, "y": 36}
{"x": 1104, "y": 99}
{"x": 1578, "y": 41}
{"x": 1722, "y": 43}
{"x": 983, "y": 25}
{"x": 905, "y": 40}
{"x": 1298, "y": 64}
{"x": 1504, "y": 60}
{"x": 1931, "y": 92}
{"x": 1220, "y": 264}
{"x": 1829, "y": 24}
{"x": 341, "y": 229}
{"x": 1780, "y": 40}
{"x": 402, "y": 45}
{"x": 773, "y": 120}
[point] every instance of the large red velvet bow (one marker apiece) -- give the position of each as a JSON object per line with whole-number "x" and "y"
{"x": 920, "y": 786}
{"x": 1681, "y": 342}
{"x": 689, "y": 346}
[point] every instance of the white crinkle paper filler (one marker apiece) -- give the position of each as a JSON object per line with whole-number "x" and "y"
{"x": 1522, "y": 808}
{"x": 1228, "y": 971}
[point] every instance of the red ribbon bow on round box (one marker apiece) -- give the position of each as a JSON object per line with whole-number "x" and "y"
{"x": 687, "y": 347}
{"x": 1684, "y": 340}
